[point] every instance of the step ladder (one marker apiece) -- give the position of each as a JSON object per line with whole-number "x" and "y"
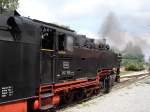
{"x": 45, "y": 94}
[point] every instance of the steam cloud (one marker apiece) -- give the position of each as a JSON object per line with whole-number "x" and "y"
{"x": 124, "y": 41}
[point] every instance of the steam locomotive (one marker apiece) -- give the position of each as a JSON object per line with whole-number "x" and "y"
{"x": 43, "y": 65}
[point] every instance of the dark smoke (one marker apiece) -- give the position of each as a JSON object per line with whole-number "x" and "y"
{"x": 111, "y": 30}
{"x": 132, "y": 49}
{"x": 121, "y": 40}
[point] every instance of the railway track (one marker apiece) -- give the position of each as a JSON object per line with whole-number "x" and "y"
{"x": 127, "y": 80}
{"x": 124, "y": 82}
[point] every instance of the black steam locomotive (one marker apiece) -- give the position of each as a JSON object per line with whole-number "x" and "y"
{"x": 43, "y": 65}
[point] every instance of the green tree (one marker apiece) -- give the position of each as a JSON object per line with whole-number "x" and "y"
{"x": 9, "y": 4}
{"x": 133, "y": 58}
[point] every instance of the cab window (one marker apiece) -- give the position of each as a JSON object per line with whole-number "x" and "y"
{"x": 47, "y": 38}
{"x": 61, "y": 42}
{"x": 69, "y": 45}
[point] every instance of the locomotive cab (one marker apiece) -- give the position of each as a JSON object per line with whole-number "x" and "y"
{"x": 55, "y": 45}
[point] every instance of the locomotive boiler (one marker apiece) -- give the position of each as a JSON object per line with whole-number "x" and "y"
{"x": 43, "y": 65}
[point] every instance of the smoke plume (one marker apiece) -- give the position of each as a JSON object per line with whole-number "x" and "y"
{"x": 123, "y": 41}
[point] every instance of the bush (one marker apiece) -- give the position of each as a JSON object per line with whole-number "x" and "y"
{"x": 134, "y": 66}
{"x": 133, "y": 62}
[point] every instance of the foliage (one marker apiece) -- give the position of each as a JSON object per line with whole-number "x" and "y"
{"x": 133, "y": 58}
{"x": 9, "y": 4}
{"x": 133, "y": 62}
{"x": 134, "y": 66}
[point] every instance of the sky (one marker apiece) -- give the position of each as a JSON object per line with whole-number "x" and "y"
{"x": 87, "y": 16}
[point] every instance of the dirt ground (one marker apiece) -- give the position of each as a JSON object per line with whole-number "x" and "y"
{"x": 133, "y": 98}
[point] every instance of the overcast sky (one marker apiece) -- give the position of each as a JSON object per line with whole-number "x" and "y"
{"x": 86, "y": 16}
